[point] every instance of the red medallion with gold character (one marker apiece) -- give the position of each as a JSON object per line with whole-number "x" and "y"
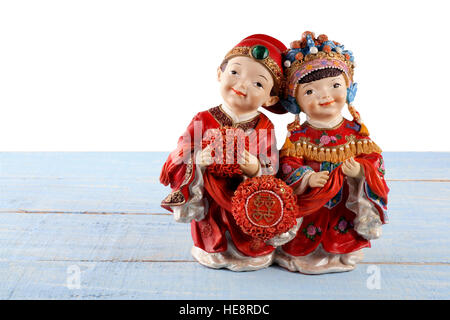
{"x": 264, "y": 207}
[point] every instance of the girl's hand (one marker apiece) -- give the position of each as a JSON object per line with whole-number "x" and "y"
{"x": 352, "y": 168}
{"x": 251, "y": 165}
{"x": 318, "y": 179}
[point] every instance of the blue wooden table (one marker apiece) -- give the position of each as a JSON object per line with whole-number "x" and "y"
{"x": 89, "y": 226}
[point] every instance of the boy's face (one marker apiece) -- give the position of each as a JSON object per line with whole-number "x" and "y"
{"x": 323, "y": 100}
{"x": 245, "y": 85}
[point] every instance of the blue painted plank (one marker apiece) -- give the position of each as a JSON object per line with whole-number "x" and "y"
{"x": 82, "y": 194}
{"x": 36, "y": 249}
{"x": 109, "y": 280}
{"x": 92, "y": 165}
{"x": 417, "y": 165}
{"x": 147, "y": 165}
{"x": 92, "y": 237}
{"x": 102, "y": 187}
{"x": 128, "y": 182}
{"x": 76, "y": 182}
{"x": 417, "y": 232}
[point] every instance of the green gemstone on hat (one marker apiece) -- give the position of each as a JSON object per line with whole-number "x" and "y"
{"x": 260, "y": 52}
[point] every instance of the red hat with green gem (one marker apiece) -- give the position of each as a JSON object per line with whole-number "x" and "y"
{"x": 268, "y": 51}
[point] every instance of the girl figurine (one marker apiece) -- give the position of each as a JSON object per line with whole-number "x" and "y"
{"x": 250, "y": 76}
{"x": 335, "y": 169}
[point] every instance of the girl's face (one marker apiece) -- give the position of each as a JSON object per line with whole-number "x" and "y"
{"x": 323, "y": 100}
{"x": 245, "y": 85}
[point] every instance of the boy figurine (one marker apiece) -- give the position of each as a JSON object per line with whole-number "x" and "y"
{"x": 250, "y": 76}
{"x": 335, "y": 169}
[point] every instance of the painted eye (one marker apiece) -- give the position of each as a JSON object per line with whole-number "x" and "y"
{"x": 309, "y": 92}
{"x": 258, "y": 84}
{"x": 336, "y": 85}
{"x": 233, "y": 72}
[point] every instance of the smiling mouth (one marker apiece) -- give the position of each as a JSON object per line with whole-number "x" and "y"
{"x": 238, "y": 92}
{"x": 326, "y": 103}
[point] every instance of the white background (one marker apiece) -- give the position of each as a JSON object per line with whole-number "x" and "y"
{"x": 130, "y": 75}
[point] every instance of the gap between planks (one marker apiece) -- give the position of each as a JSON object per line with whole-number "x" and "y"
{"x": 85, "y": 212}
{"x": 167, "y": 214}
{"x": 419, "y": 180}
{"x": 134, "y": 180}
{"x": 190, "y": 261}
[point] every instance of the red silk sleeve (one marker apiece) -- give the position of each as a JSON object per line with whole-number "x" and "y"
{"x": 315, "y": 198}
{"x": 179, "y": 168}
{"x": 174, "y": 168}
{"x": 292, "y": 171}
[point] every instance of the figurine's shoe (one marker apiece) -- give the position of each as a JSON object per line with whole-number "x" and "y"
{"x": 319, "y": 261}
{"x": 232, "y": 259}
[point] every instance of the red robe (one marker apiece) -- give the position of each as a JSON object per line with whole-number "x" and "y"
{"x": 209, "y": 233}
{"x": 327, "y": 220}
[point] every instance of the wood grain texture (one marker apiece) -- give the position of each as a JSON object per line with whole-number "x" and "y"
{"x": 100, "y": 212}
{"x": 116, "y": 280}
{"x": 147, "y": 165}
{"x": 128, "y": 182}
{"x": 407, "y": 238}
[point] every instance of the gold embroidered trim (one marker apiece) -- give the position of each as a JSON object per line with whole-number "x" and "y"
{"x": 268, "y": 62}
{"x": 188, "y": 173}
{"x": 220, "y": 116}
{"x": 242, "y": 123}
{"x": 224, "y": 119}
{"x": 226, "y": 115}
{"x": 320, "y": 55}
{"x": 175, "y": 198}
{"x": 303, "y": 148}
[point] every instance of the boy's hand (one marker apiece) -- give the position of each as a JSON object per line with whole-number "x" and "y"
{"x": 352, "y": 168}
{"x": 251, "y": 165}
{"x": 318, "y": 179}
{"x": 205, "y": 158}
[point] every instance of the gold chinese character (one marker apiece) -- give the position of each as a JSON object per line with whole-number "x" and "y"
{"x": 263, "y": 208}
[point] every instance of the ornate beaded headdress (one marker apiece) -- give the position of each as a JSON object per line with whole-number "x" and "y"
{"x": 267, "y": 51}
{"x": 310, "y": 54}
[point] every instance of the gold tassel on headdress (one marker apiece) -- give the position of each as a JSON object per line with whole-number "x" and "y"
{"x": 356, "y": 117}
{"x": 295, "y": 124}
{"x": 363, "y": 131}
